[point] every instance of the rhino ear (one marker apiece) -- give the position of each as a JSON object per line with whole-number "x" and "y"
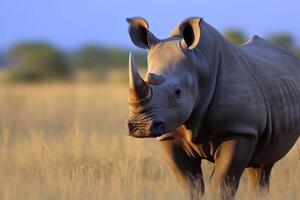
{"x": 190, "y": 32}
{"x": 175, "y": 32}
{"x": 140, "y": 34}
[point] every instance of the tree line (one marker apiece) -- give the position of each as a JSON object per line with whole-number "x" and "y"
{"x": 39, "y": 61}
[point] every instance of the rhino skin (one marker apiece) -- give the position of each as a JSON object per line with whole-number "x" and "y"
{"x": 242, "y": 113}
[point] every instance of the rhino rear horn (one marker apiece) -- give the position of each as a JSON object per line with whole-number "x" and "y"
{"x": 140, "y": 34}
{"x": 139, "y": 90}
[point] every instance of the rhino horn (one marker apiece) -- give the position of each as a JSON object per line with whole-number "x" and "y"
{"x": 139, "y": 91}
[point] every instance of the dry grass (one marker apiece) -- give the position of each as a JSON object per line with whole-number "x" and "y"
{"x": 64, "y": 141}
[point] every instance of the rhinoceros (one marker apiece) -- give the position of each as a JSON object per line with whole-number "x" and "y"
{"x": 237, "y": 106}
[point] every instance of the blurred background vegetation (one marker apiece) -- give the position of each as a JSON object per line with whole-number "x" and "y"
{"x": 40, "y": 61}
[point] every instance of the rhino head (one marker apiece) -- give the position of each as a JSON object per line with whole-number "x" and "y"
{"x": 167, "y": 96}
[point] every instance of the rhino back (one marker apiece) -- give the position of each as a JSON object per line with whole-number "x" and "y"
{"x": 238, "y": 105}
{"x": 258, "y": 94}
{"x": 278, "y": 75}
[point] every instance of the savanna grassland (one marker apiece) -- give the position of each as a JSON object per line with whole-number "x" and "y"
{"x": 68, "y": 141}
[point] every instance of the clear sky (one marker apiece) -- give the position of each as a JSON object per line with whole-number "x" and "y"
{"x": 71, "y": 23}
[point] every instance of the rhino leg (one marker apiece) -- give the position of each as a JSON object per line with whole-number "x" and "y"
{"x": 259, "y": 179}
{"x": 231, "y": 159}
{"x": 183, "y": 162}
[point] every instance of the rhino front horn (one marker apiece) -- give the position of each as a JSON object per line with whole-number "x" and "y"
{"x": 139, "y": 91}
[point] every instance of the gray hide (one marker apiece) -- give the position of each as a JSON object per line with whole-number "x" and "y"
{"x": 239, "y": 106}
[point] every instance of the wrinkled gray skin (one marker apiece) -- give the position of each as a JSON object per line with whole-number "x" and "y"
{"x": 236, "y": 106}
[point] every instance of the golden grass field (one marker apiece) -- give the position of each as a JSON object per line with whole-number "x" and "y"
{"x": 68, "y": 141}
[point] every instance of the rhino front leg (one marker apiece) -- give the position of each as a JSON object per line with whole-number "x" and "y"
{"x": 231, "y": 159}
{"x": 186, "y": 167}
{"x": 259, "y": 179}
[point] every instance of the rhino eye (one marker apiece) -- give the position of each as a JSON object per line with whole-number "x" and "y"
{"x": 177, "y": 93}
{"x": 174, "y": 96}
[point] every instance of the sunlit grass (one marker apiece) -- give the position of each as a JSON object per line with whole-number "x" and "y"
{"x": 61, "y": 141}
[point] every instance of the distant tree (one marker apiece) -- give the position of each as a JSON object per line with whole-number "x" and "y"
{"x": 2, "y": 59}
{"x": 37, "y": 61}
{"x": 88, "y": 57}
{"x": 98, "y": 57}
{"x": 284, "y": 40}
{"x": 297, "y": 53}
{"x": 235, "y": 36}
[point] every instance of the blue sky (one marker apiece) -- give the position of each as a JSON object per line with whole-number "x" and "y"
{"x": 71, "y": 23}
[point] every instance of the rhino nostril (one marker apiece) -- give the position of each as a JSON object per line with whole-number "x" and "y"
{"x": 158, "y": 128}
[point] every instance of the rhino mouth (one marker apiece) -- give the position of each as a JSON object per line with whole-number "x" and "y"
{"x": 148, "y": 129}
